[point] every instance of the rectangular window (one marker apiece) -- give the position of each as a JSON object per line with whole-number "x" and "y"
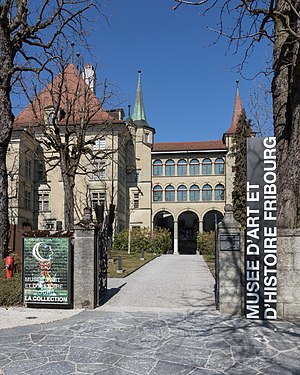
{"x": 146, "y": 137}
{"x": 27, "y": 200}
{"x": 170, "y": 170}
{"x": 136, "y": 200}
{"x": 44, "y": 201}
{"x": 98, "y": 171}
{"x": 97, "y": 197}
{"x": 99, "y": 144}
{"x": 182, "y": 170}
{"x": 194, "y": 169}
{"x": 28, "y": 168}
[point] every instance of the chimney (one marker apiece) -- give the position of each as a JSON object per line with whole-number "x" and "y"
{"x": 89, "y": 76}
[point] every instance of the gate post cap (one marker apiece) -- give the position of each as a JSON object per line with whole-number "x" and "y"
{"x": 228, "y": 207}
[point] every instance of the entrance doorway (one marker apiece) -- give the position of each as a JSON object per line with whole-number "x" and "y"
{"x": 188, "y": 226}
{"x": 210, "y": 219}
{"x": 164, "y": 219}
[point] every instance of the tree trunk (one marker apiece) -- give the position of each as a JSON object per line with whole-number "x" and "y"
{"x": 68, "y": 184}
{"x": 6, "y": 121}
{"x": 286, "y": 112}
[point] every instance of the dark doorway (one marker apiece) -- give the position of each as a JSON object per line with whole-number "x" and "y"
{"x": 164, "y": 219}
{"x": 188, "y": 226}
{"x": 210, "y": 218}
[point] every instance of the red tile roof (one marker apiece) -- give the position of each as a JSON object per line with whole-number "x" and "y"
{"x": 237, "y": 111}
{"x": 189, "y": 146}
{"x": 69, "y": 92}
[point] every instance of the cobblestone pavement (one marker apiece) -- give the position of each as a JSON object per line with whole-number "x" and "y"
{"x": 143, "y": 340}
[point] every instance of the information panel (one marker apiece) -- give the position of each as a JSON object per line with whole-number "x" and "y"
{"x": 261, "y": 237}
{"x": 46, "y": 271}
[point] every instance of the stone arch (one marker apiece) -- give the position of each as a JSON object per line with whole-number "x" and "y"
{"x": 209, "y": 219}
{"x": 164, "y": 219}
{"x": 188, "y": 227}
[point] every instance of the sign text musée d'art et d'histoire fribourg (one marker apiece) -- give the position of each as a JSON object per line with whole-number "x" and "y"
{"x": 261, "y": 232}
{"x": 47, "y": 270}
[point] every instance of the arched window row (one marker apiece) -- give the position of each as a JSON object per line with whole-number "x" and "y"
{"x": 191, "y": 168}
{"x": 183, "y": 194}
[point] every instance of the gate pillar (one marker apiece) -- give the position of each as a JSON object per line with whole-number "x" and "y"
{"x": 84, "y": 266}
{"x": 229, "y": 263}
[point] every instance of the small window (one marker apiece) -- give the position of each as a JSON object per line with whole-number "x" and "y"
{"x": 194, "y": 193}
{"x": 170, "y": 168}
{"x": 182, "y": 167}
{"x": 219, "y": 166}
{"x": 219, "y": 192}
{"x": 157, "y": 193}
{"x": 98, "y": 172}
{"x": 136, "y": 200}
{"x": 170, "y": 193}
{"x": 157, "y": 168}
{"x": 182, "y": 193}
{"x": 44, "y": 198}
{"x": 99, "y": 144}
{"x": 146, "y": 137}
{"x": 28, "y": 168}
{"x": 206, "y": 193}
{"x": 194, "y": 167}
{"x": 206, "y": 167}
{"x": 27, "y": 200}
{"x": 97, "y": 197}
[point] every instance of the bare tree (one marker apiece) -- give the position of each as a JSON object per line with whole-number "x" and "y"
{"x": 27, "y": 31}
{"x": 279, "y": 22}
{"x": 69, "y": 122}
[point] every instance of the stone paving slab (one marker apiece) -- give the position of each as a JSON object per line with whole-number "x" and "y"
{"x": 101, "y": 342}
{"x": 156, "y": 334}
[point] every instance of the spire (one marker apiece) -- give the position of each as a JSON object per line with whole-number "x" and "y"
{"x": 139, "y": 110}
{"x": 237, "y": 111}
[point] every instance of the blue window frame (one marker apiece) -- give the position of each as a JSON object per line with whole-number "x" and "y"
{"x": 157, "y": 168}
{"x": 206, "y": 166}
{"x": 170, "y": 193}
{"x": 182, "y": 193}
{"x": 194, "y": 193}
{"x": 206, "y": 193}
{"x": 194, "y": 167}
{"x": 170, "y": 168}
{"x": 182, "y": 167}
{"x": 157, "y": 193}
{"x": 219, "y": 192}
{"x": 219, "y": 166}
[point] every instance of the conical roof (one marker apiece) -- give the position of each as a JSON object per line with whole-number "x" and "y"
{"x": 237, "y": 111}
{"x": 139, "y": 109}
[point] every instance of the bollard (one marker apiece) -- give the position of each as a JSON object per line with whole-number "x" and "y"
{"x": 142, "y": 255}
{"x": 9, "y": 265}
{"x": 119, "y": 270}
{"x": 154, "y": 249}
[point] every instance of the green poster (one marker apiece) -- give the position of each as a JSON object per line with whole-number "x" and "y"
{"x": 46, "y": 270}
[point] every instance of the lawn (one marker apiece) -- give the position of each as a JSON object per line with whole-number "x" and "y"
{"x": 130, "y": 263}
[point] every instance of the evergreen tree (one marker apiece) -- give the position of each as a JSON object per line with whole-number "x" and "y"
{"x": 239, "y": 152}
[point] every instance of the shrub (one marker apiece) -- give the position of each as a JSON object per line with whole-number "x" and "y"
{"x": 206, "y": 243}
{"x": 11, "y": 289}
{"x": 142, "y": 238}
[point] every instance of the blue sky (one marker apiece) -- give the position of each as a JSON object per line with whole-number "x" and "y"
{"x": 188, "y": 85}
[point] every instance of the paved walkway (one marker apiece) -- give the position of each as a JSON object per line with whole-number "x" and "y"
{"x": 155, "y": 335}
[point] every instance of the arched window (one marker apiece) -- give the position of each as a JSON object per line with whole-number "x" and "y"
{"x": 170, "y": 193}
{"x": 170, "y": 168}
{"x": 157, "y": 193}
{"x": 182, "y": 167}
{"x": 219, "y": 192}
{"x": 194, "y": 167}
{"x": 206, "y": 166}
{"x": 219, "y": 166}
{"x": 157, "y": 168}
{"x": 206, "y": 193}
{"x": 182, "y": 193}
{"x": 194, "y": 193}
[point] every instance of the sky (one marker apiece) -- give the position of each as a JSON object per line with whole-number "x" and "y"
{"x": 188, "y": 84}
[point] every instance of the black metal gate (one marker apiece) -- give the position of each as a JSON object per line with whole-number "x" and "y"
{"x": 103, "y": 235}
{"x": 217, "y": 280}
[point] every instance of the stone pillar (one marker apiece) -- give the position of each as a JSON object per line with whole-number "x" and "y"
{"x": 229, "y": 264}
{"x": 84, "y": 265}
{"x": 176, "y": 238}
{"x": 288, "y": 273}
{"x": 200, "y": 226}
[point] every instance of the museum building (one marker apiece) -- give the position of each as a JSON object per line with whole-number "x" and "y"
{"x": 182, "y": 186}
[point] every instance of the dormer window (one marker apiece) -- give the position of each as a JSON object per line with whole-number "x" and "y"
{"x": 51, "y": 118}
{"x": 146, "y": 137}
